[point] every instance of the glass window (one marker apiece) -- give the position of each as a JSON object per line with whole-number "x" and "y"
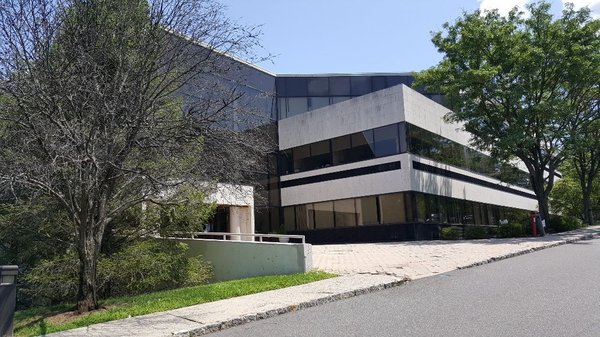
{"x": 407, "y": 80}
{"x": 341, "y": 147}
{"x": 282, "y": 108}
{"x": 339, "y": 99}
{"x": 318, "y": 86}
{"x": 393, "y": 80}
{"x": 392, "y": 208}
{"x": 302, "y": 217}
{"x": 280, "y": 85}
{"x": 345, "y": 214}
{"x": 275, "y": 220}
{"x": 324, "y": 215}
{"x": 366, "y": 208}
{"x": 421, "y": 208}
{"x": 297, "y": 105}
{"x": 296, "y": 86}
{"x": 320, "y": 155}
{"x": 339, "y": 86}
{"x": 378, "y": 82}
{"x": 318, "y": 102}
{"x": 289, "y": 218}
{"x": 286, "y": 162}
{"x": 360, "y": 85}
{"x": 301, "y": 155}
{"x": 362, "y": 146}
{"x": 386, "y": 140}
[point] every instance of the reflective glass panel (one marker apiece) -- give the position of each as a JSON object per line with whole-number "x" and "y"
{"x": 296, "y": 86}
{"x": 362, "y": 146}
{"x": 289, "y": 218}
{"x": 341, "y": 147}
{"x": 318, "y": 102}
{"x": 392, "y": 208}
{"x": 345, "y": 214}
{"x": 366, "y": 207}
{"x": 360, "y": 85}
{"x": 378, "y": 82}
{"x": 339, "y": 86}
{"x": 324, "y": 216}
{"x": 386, "y": 140}
{"x": 320, "y": 155}
{"x": 318, "y": 86}
{"x": 297, "y": 105}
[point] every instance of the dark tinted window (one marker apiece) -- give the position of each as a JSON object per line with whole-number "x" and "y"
{"x": 360, "y": 85}
{"x": 297, "y": 105}
{"x": 362, "y": 146}
{"x": 320, "y": 155}
{"x": 339, "y": 86}
{"x": 378, "y": 83}
{"x": 296, "y": 86}
{"x": 393, "y": 80}
{"x": 366, "y": 208}
{"x": 345, "y": 213}
{"x": 318, "y": 86}
{"x": 386, "y": 140}
{"x": 324, "y": 216}
{"x": 317, "y": 102}
{"x": 341, "y": 150}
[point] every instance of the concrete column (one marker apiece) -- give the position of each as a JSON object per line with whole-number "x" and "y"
{"x": 241, "y": 220}
{"x": 235, "y": 222}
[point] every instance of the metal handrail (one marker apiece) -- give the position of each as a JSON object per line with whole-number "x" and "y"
{"x": 260, "y": 237}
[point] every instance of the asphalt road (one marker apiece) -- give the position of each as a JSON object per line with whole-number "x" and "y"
{"x": 551, "y": 293}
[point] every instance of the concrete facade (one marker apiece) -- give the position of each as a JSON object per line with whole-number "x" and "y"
{"x": 240, "y": 201}
{"x": 384, "y": 107}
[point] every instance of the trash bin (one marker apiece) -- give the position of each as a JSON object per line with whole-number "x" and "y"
{"x": 8, "y": 298}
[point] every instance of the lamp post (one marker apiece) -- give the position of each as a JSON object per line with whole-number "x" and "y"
{"x": 8, "y": 298}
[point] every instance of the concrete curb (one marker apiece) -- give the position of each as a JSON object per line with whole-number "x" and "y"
{"x": 582, "y": 237}
{"x": 290, "y": 308}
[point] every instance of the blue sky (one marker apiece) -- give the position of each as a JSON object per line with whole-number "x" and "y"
{"x": 353, "y": 36}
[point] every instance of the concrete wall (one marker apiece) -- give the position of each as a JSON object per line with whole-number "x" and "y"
{"x": 239, "y": 259}
{"x": 361, "y": 113}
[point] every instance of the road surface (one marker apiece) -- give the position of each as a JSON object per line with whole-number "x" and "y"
{"x": 552, "y": 293}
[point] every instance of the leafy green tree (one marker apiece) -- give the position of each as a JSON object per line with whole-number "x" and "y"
{"x": 113, "y": 104}
{"x": 519, "y": 83}
{"x": 567, "y": 196}
{"x": 584, "y": 157}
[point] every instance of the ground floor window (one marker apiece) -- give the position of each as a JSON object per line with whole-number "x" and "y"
{"x": 396, "y": 208}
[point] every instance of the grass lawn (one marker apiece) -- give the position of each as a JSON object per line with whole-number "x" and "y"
{"x": 38, "y": 321}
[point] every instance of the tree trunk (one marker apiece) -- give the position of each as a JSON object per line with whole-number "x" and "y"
{"x": 588, "y": 215}
{"x": 88, "y": 249}
{"x": 537, "y": 182}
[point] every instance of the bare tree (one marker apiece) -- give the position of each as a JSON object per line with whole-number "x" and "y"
{"x": 107, "y": 103}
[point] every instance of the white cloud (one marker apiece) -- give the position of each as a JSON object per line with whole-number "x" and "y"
{"x": 593, "y": 5}
{"x": 503, "y": 6}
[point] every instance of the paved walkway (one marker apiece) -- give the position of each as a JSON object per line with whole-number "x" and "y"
{"x": 364, "y": 268}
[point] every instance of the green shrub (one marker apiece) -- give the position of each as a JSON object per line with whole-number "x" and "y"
{"x": 564, "y": 223}
{"x": 144, "y": 266}
{"x": 511, "y": 230}
{"x": 53, "y": 280}
{"x": 152, "y": 265}
{"x": 475, "y": 232}
{"x": 450, "y": 233}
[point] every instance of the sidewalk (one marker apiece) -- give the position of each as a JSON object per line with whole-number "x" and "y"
{"x": 363, "y": 267}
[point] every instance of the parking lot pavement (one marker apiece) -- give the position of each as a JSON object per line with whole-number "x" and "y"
{"x": 426, "y": 258}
